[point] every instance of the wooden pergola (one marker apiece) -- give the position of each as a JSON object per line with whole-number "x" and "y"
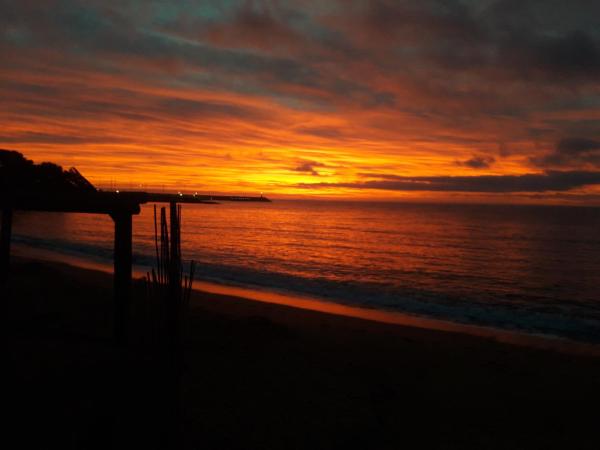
{"x": 121, "y": 207}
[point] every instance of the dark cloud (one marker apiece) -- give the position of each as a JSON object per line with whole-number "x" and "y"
{"x": 309, "y": 167}
{"x": 574, "y": 55}
{"x": 551, "y": 36}
{"x": 577, "y": 145}
{"x": 576, "y": 52}
{"x": 549, "y": 181}
{"x": 478, "y": 162}
{"x": 571, "y": 152}
{"x": 547, "y": 39}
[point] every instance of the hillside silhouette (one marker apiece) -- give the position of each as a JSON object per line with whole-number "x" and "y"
{"x": 19, "y": 174}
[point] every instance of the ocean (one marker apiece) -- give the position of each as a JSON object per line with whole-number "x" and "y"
{"x": 534, "y": 269}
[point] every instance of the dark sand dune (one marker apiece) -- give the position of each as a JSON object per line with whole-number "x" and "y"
{"x": 263, "y": 376}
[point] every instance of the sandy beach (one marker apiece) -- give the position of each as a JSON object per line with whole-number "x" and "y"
{"x": 270, "y": 376}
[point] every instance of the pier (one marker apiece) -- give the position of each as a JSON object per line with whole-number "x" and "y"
{"x": 121, "y": 207}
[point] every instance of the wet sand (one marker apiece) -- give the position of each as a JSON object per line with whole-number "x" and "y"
{"x": 271, "y": 376}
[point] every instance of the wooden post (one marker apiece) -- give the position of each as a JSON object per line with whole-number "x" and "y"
{"x": 122, "y": 274}
{"x": 5, "y": 233}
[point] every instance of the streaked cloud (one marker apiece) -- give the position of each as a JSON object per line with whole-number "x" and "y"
{"x": 548, "y": 181}
{"x": 263, "y": 95}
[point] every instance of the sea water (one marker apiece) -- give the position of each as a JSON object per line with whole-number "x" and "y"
{"x": 528, "y": 268}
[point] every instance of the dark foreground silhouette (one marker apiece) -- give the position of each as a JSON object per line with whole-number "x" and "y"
{"x": 260, "y": 376}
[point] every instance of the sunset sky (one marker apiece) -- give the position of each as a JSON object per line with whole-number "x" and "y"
{"x": 487, "y": 100}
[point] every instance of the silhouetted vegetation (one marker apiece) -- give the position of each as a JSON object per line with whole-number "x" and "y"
{"x": 167, "y": 288}
{"x": 18, "y": 173}
{"x": 166, "y": 301}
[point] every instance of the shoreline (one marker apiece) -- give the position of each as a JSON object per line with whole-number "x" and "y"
{"x": 393, "y": 318}
{"x": 268, "y": 376}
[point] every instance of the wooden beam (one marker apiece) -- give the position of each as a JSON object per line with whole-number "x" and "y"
{"x": 100, "y": 202}
{"x": 90, "y": 203}
{"x": 5, "y": 233}
{"x": 122, "y": 275}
